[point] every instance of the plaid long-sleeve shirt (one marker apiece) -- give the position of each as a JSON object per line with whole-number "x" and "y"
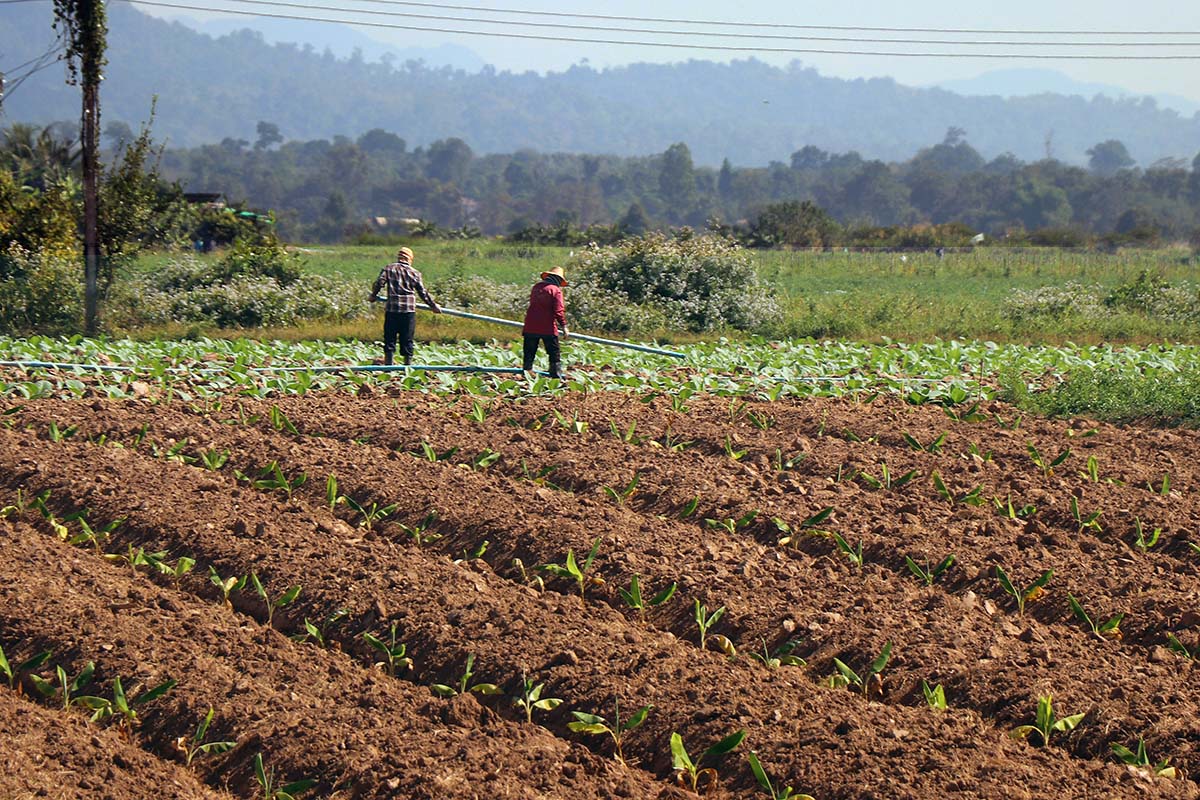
{"x": 403, "y": 284}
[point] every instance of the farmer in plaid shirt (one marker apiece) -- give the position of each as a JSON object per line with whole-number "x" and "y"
{"x": 400, "y": 319}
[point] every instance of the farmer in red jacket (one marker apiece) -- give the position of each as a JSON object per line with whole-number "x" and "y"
{"x": 545, "y": 321}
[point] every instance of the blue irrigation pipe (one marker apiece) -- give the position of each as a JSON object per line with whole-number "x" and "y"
{"x": 342, "y": 368}
{"x": 580, "y": 336}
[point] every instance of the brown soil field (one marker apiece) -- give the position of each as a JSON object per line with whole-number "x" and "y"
{"x": 743, "y": 506}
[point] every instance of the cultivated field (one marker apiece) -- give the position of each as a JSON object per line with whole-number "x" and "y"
{"x": 453, "y": 522}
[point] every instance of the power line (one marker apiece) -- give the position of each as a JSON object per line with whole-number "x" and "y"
{"x": 675, "y": 45}
{"x": 716, "y": 34}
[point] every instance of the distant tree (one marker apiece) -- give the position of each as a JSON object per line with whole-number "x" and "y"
{"x": 677, "y": 179}
{"x": 725, "y": 180}
{"x": 379, "y": 142}
{"x": 268, "y": 134}
{"x": 634, "y": 222}
{"x": 118, "y": 133}
{"x": 809, "y": 157}
{"x": 792, "y": 223}
{"x": 1109, "y": 157}
{"x": 449, "y": 160}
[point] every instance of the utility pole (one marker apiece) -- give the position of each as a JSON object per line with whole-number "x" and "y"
{"x": 86, "y": 30}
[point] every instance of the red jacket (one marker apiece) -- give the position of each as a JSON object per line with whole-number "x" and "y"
{"x": 546, "y": 308}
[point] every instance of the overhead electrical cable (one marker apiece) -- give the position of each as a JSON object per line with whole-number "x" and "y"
{"x": 737, "y": 24}
{"x": 674, "y": 45}
{"x": 706, "y": 34}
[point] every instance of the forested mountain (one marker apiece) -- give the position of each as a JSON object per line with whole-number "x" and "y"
{"x": 749, "y": 112}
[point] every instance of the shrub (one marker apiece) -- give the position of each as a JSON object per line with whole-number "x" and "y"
{"x": 41, "y": 293}
{"x": 698, "y": 283}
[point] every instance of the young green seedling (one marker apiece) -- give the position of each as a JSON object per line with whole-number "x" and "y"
{"x": 465, "y": 685}
{"x": 1107, "y": 630}
{"x": 95, "y": 537}
{"x": 573, "y": 570}
{"x": 855, "y": 554}
{"x": 395, "y": 653}
{"x": 1141, "y": 540}
{"x": 67, "y": 687}
{"x": 1141, "y": 759}
{"x": 972, "y": 414}
{"x": 621, "y": 495}
{"x": 279, "y": 602}
{"x": 1006, "y": 509}
{"x": 122, "y": 706}
{"x": 1028, "y": 594}
{"x": 973, "y": 450}
{"x": 1164, "y": 488}
{"x": 23, "y": 503}
{"x": 419, "y": 533}
{"x": 1092, "y": 472}
{"x": 935, "y": 696}
{"x": 280, "y": 422}
{"x": 1047, "y": 723}
{"x": 933, "y": 447}
{"x": 213, "y": 460}
{"x": 478, "y": 412}
{"x": 58, "y": 434}
{"x": 732, "y": 452}
{"x": 485, "y": 459}
{"x": 139, "y": 558}
{"x": 1084, "y": 521}
{"x": 182, "y": 567}
{"x": 633, "y": 596}
{"x": 597, "y": 725}
{"x": 228, "y": 585}
{"x": 886, "y": 481}
{"x": 810, "y": 524}
{"x": 760, "y": 775}
{"x": 973, "y": 497}
{"x": 691, "y": 771}
{"x": 763, "y": 422}
{"x": 782, "y": 464}
{"x": 574, "y": 424}
{"x": 29, "y": 665}
{"x": 529, "y": 698}
{"x": 318, "y": 633}
{"x": 689, "y": 508}
{"x": 928, "y": 574}
{"x": 190, "y": 748}
{"x": 872, "y": 684}
{"x": 626, "y": 435}
{"x": 1047, "y": 467}
{"x": 705, "y": 621}
{"x": 1176, "y": 646}
{"x": 369, "y": 515}
{"x": 731, "y": 525}
{"x": 780, "y": 657}
{"x": 332, "y": 497}
{"x": 272, "y": 790}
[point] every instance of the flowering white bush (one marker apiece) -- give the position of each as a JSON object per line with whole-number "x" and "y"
{"x": 1054, "y": 302}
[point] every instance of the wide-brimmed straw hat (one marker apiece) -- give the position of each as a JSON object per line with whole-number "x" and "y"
{"x": 557, "y": 272}
{"x": 404, "y": 254}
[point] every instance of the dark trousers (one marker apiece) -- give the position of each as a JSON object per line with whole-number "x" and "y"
{"x": 402, "y": 324}
{"x": 529, "y": 352}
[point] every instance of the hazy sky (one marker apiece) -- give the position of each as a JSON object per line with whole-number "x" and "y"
{"x": 1175, "y": 77}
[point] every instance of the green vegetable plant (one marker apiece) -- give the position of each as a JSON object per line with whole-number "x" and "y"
{"x": 732, "y": 452}
{"x": 1106, "y": 630}
{"x": 1027, "y": 594}
{"x": 763, "y": 422}
{"x": 935, "y": 696}
{"x": 1164, "y": 488}
{"x": 855, "y": 554}
{"x": 485, "y": 459}
{"x": 122, "y": 706}
{"x": 689, "y": 507}
{"x": 627, "y": 435}
{"x": 233, "y": 583}
{"x": 271, "y": 790}
{"x": 280, "y": 422}
{"x": 478, "y": 412}
{"x": 23, "y": 503}
{"x": 1178, "y": 647}
{"x": 705, "y": 620}
{"x": 279, "y": 602}
{"x": 96, "y": 537}
{"x": 690, "y": 771}
{"x": 539, "y": 478}
{"x": 933, "y": 447}
{"x": 139, "y": 558}
{"x": 213, "y": 460}
{"x": 574, "y": 424}
{"x": 1141, "y": 759}
{"x": 67, "y": 686}
{"x": 808, "y": 525}
{"x": 1092, "y": 471}
{"x": 318, "y": 633}
{"x": 779, "y": 657}
{"x": 395, "y": 653}
{"x": 973, "y": 450}
{"x": 1046, "y": 466}
{"x": 731, "y": 525}
{"x": 633, "y": 596}
{"x": 886, "y": 481}
{"x": 782, "y": 464}
{"x": 764, "y": 782}
{"x": 621, "y": 495}
{"x": 13, "y": 674}
{"x": 57, "y": 434}
{"x": 1047, "y": 722}
{"x": 182, "y": 567}
{"x": 370, "y": 514}
{"x": 1142, "y": 541}
{"x": 1006, "y": 509}
{"x": 194, "y": 746}
{"x": 271, "y": 478}
{"x": 429, "y": 454}
{"x": 872, "y": 684}
{"x": 419, "y": 532}
{"x": 927, "y": 574}
{"x": 597, "y": 726}
{"x": 529, "y": 698}
{"x": 464, "y": 684}
{"x": 573, "y": 570}
{"x": 1084, "y": 521}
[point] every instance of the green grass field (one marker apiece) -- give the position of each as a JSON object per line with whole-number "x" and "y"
{"x": 841, "y": 295}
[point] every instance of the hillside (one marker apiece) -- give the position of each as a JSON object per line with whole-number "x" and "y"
{"x": 211, "y": 88}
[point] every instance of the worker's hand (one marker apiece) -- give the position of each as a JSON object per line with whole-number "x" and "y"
{"x": 564, "y": 333}
{"x": 375, "y": 298}
{"x": 435, "y": 308}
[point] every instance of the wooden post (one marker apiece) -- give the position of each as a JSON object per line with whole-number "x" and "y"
{"x": 91, "y": 24}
